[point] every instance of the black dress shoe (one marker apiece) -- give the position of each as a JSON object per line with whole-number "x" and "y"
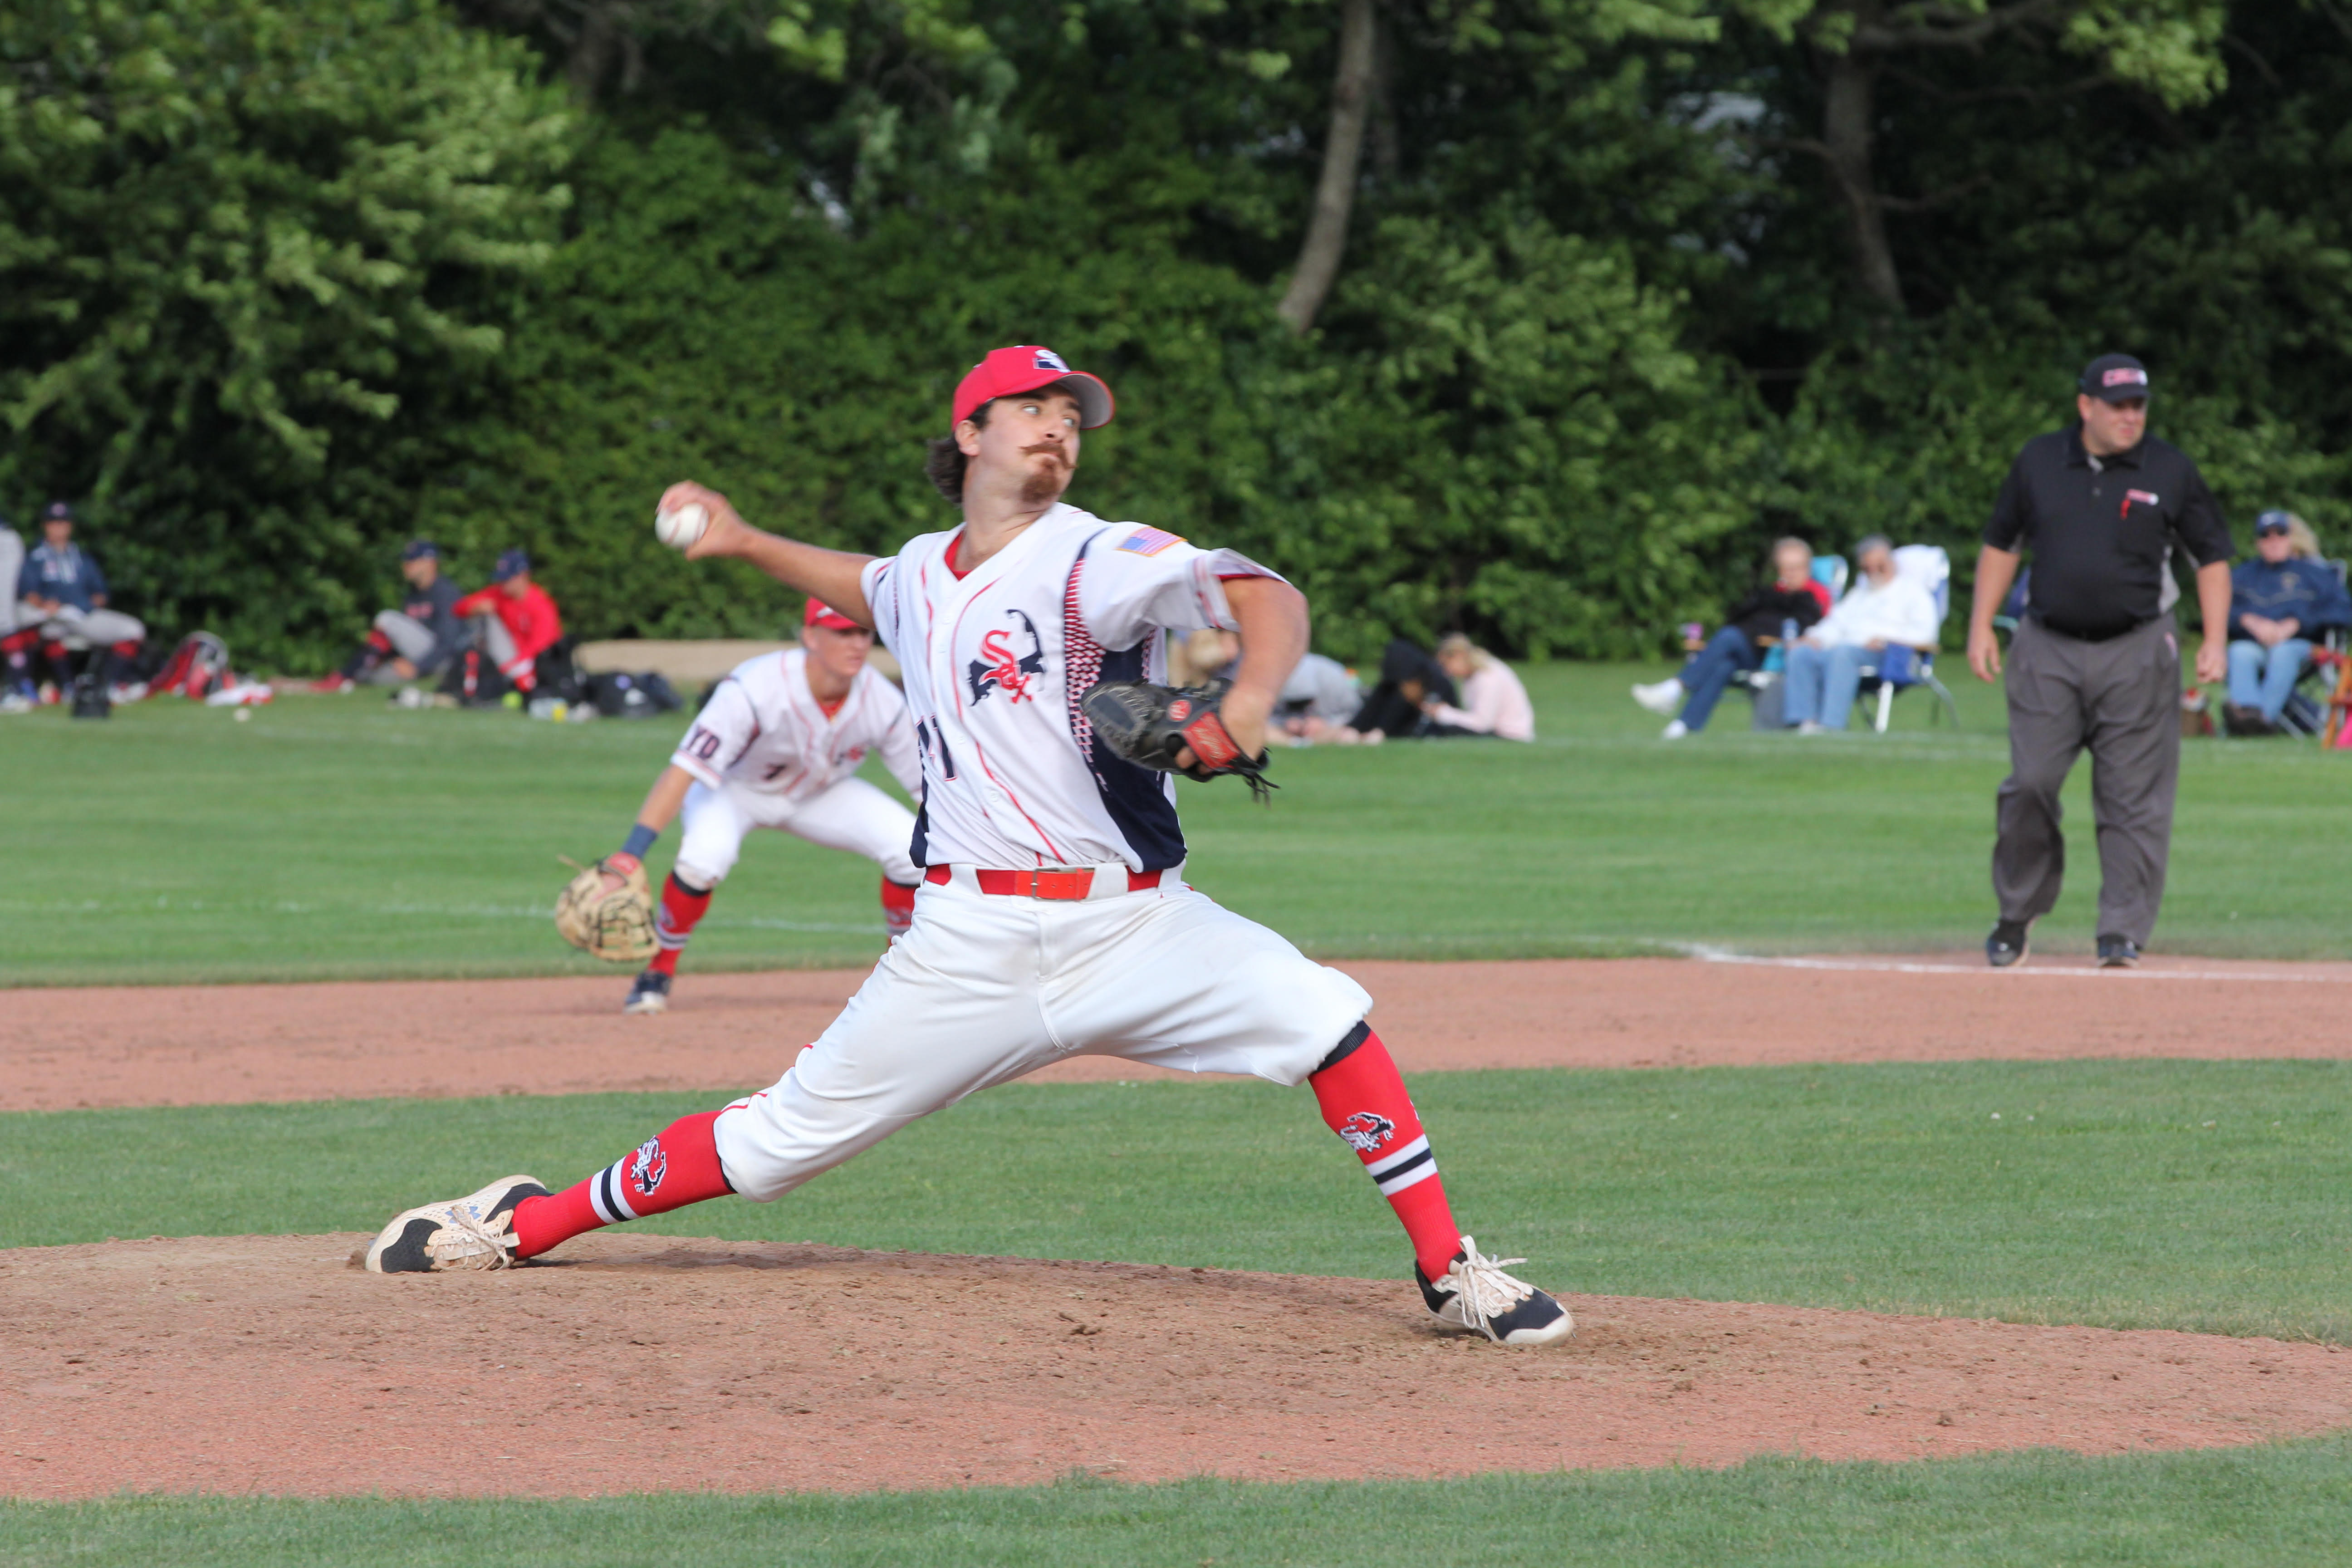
{"x": 2118, "y": 952}
{"x": 2006, "y": 945}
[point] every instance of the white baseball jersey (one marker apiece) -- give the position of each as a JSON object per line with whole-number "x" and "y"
{"x": 762, "y": 730}
{"x": 996, "y": 661}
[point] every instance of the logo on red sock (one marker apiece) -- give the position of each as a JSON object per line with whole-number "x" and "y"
{"x": 648, "y": 1165}
{"x": 1366, "y": 1130}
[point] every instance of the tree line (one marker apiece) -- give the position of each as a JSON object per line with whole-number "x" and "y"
{"x": 1535, "y": 318}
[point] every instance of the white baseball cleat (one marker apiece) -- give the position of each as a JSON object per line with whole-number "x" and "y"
{"x": 1661, "y": 697}
{"x": 472, "y": 1232}
{"x": 650, "y": 995}
{"x": 1476, "y": 1297}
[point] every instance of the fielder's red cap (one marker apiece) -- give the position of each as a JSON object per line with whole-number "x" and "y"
{"x": 1028, "y": 367}
{"x": 820, "y": 614}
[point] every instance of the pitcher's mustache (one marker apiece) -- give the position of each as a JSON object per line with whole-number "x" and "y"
{"x": 1055, "y": 447}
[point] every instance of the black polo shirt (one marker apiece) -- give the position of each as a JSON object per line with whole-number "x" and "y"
{"x": 2099, "y": 531}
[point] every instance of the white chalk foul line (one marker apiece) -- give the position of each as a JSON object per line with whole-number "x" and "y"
{"x": 1912, "y": 966}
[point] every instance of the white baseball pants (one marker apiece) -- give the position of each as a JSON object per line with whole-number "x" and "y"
{"x": 987, "y": 987}
{"x": 853, "y": 815}
{"x": 98, "y": 629}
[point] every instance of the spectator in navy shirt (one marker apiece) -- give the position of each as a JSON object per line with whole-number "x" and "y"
{"x": 63, "y": 596}
{"x": 2280, "y": 602}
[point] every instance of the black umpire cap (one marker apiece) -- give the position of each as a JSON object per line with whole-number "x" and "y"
{"x": 2114, "y": 378}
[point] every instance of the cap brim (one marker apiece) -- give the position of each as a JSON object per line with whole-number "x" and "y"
{"x": 2121, "y": 394}
{"x": 1096, "y": 404}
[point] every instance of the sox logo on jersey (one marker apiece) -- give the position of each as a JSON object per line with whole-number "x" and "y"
{"x": 998, "y": 668}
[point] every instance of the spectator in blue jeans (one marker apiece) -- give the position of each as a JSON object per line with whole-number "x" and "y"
{"x": 1882, "y": 609}
{"x": 2279, "y": 603}
{"x": 1791, "y": 596}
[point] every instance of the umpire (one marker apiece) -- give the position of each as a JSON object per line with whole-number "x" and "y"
{"x": 2096, "y": 660}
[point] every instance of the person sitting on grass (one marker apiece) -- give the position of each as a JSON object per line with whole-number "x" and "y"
{"x": 1791, "y": 596}
{"x": 2280, "y": 602}
{"x": 514, "y": 620}
{"x": 1494, "y": 703}
{"x": 414, "y": 641}
{"x": 1410, "y": 680}
{"x": 1885, "y": 609}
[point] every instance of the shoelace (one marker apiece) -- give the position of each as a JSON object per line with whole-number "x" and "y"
{"x": 1484, "y": 1291}
{"x": 496, "y": 1244}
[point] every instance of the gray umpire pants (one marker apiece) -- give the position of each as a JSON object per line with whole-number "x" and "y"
{"x": 2122, "y": 699}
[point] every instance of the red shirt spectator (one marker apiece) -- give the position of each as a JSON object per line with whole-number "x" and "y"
{"x": 518, "y": 621}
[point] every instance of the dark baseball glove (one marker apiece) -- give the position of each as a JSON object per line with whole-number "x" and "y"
{"x": 1148, "y": 724}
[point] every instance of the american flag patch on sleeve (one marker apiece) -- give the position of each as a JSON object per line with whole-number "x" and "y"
{"x": 1149, "y": 540}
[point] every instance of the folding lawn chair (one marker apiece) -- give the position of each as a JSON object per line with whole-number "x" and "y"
{"x": 2311, "y": 704}
{"x": 1898, "y": 669}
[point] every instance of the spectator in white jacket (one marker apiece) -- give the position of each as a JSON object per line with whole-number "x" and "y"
{"x": 1493, "y": 700}
{"x": 1825, "y": 666}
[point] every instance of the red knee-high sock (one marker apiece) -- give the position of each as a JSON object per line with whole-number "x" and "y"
{"x": 681, "y": 907}
{"x": 898, "y": 907}
{"x": 1364, "y": 1101}
{"x": 677, "y": 1166}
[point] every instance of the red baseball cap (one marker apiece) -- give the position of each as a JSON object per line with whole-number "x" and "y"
{"x": 820, "y": 614}
{"x": 1028, "y": 367}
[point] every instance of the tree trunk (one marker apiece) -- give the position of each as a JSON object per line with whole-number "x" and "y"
{"x": 1846, "y": 116}
{"x": 1335, "y": 191}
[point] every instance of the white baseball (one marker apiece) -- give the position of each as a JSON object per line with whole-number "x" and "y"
{"x": 680, "y": 529}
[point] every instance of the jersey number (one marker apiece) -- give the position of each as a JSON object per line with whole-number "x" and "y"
{"x": 700, "y": 743}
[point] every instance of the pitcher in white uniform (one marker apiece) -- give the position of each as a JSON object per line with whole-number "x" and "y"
{"x": 778, "y": 745}
{"x": 1052, "y": 920}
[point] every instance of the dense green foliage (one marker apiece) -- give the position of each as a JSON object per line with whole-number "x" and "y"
{"x": 341, "y": 837}
{"x": 282, "y": 282}
{"x": 2280, "y": 1506}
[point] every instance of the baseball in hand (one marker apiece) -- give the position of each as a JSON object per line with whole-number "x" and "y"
{"x": 680, "y": 529}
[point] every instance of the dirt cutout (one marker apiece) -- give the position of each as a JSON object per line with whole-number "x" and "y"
{"x": 271, "y": 1365}
{"x": 68, "y": 1048}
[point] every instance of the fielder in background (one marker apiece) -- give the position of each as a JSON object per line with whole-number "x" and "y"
{"x": 62, "y": 600}
{"x": 415, "y": 641}
{"x": 777, "y": 745}
{"x": 514, "y": 622}
{"x": 1054, "y": 919}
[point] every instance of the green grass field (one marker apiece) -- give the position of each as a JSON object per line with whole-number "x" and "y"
{"x": 337, "y": 837}
{"x": 2201, "y": 1195}
{"x": 2241, "y": 1508}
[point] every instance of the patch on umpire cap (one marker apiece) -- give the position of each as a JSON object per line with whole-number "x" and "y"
{"x": 1048, "y": 360}
{"x": 2125, "y": 375}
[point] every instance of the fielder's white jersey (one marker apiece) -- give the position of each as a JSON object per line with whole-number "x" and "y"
{"x": 996, "y": 661}
{"x": 762, "y": 728}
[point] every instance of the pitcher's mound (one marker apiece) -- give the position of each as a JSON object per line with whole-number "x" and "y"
{"x": 271, "y": 1364}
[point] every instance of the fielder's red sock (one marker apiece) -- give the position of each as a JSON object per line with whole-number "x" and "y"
{"x": 1364, "y": 1101}
{"x": 681, "y": 907}
{"x": 898, "y": 907}
{"x": 677, "y": 1166}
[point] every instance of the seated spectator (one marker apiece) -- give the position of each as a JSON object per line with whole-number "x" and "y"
{"x": 1316, "y": 700}
{"x": 17, "y": 688}
{"x": 1884, "y": 609}
{"x": 1410, "y": 678}
{"x": 1494, "y": 703}
{"x": 514, "y": 621}
{"x": 1319, "y": 695}
{"x": 415, "y": 641}
{"x": 63, "y": 599}
{"x": 2280, "y": 602}
{"x": 1762, "y": 616}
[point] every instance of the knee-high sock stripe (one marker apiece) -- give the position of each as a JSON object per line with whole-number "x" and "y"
{"x": 1363, "y": 1099}
{"x": 682, "y": 908}
{"x": 675, "y": 1167}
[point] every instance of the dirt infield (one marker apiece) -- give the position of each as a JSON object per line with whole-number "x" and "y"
{"x": 270, "y": 1365}
{"x": 194, "y": 1045}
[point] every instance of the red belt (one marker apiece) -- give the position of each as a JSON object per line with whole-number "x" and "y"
{"x": 1043, "y": 884}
